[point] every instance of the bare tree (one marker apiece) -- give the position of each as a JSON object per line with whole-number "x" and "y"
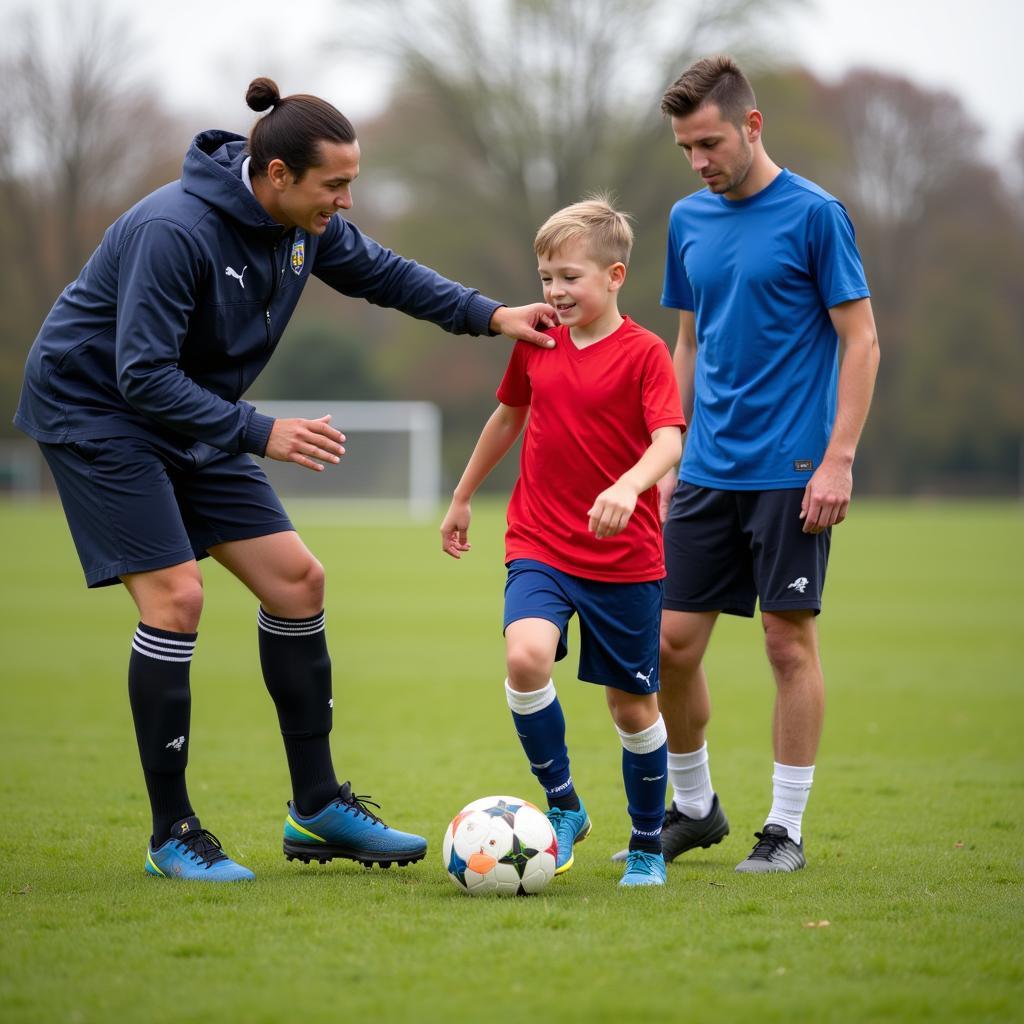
{"x": 906, "y": 142}
{"x": 85, "y": 136}
{"x": 1016, "y": 172}
{"x": 544, "y": 95}
{"x": 904, "y": 145}
{"x": 79, "y": 141}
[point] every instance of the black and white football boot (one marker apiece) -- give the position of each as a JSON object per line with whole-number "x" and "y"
{"x": 773, "y": 851}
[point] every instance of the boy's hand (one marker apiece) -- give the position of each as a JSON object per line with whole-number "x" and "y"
{"x": 612, "y": 509}
{"x": 455, "y": 529}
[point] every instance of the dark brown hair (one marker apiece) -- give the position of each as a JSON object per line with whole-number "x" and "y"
{"x": 293, "y": 130}
{"x": 717, "y": 80}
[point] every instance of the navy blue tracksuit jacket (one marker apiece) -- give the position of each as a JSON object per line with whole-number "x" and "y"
{"x": 183, "y": 302}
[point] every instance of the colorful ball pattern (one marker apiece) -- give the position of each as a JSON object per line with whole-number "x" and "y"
{"x": 500, "y": 844}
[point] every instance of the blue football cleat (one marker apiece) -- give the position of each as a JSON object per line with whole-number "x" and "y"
{"x": 346, "y": 827}
{"x": 194, "y": 854}
{"x": 643, "y": 868}
{"x": 570, "y": 827}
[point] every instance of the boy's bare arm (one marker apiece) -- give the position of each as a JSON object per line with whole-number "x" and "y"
{"x": 613, "y": 507}
{"x": 497, "y": 437}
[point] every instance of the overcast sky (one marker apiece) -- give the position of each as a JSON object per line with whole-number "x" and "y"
{"x": 203, "y": 53}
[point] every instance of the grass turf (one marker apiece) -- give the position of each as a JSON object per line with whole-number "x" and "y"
{"x": 913, "y": 833}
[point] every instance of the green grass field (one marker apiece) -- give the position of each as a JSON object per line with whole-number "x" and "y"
{"x": 914, "y": 831}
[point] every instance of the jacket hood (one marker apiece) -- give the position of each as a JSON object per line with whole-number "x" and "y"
{"x": 212, "y": 171}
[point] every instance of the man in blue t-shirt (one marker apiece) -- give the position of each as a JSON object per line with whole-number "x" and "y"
{"x": 776, "y": 359}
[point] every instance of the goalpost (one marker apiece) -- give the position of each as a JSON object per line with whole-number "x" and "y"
{"x": 391, "y": 467}
{"x": 392, "y": 460}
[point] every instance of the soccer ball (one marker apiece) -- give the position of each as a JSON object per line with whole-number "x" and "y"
{"x": 502, "y": 845}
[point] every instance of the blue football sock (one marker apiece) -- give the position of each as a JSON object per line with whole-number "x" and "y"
{"x": 540, "y": 725}
{"x": 644, "y": 770}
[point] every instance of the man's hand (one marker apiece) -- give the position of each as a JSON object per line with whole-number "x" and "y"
{"x": 520, "y": 323}
{"x": 308, "y": 443}
{"x": 827, "y": 496}
{"x": 611, "y": 511}
{"x": 455, "y": 529}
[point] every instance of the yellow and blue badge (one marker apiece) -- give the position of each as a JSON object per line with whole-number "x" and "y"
{"x": 298, "y": 255}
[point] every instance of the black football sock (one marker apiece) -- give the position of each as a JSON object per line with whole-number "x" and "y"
{"x": 161, "y": 704}
{"x": 297, "y": 671}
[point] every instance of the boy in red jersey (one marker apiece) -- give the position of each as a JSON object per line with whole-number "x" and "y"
{"x": 583, "y": 535}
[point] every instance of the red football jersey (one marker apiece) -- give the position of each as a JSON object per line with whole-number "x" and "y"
{"x": 592, "y": 412}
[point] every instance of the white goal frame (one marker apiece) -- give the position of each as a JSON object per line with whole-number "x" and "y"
{"x": 420, "y": 420}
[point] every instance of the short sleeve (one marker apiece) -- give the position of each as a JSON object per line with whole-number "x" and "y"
{"x": 515, "y": 388}
{"x": 834, "y": 258}
{"x": 676, "y": 293}
{"x": 660, "y": 391}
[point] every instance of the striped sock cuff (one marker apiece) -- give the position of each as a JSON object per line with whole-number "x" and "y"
{"x": 530, "y": 703}
{"x": 291, "y": 627}
{"x": 647, "y": 741}
{"x": 162, "y": 644}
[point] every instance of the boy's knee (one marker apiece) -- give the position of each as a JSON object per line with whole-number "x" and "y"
{"x": 633, "y": 717}
{"x": 527, "y": 662}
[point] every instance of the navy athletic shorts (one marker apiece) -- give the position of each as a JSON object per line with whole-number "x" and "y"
{"x": 137, "y": 504}
{"x": 619, "y": 622}
{"x": 725, "y": 550}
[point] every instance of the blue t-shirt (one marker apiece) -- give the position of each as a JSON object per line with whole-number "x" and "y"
{"x": 760, "y": 275}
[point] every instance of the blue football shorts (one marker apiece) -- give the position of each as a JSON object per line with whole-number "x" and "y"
{"x": 619, "y": 622}
{"x": 136, "y": 504}
{"x": 727, "y": 550}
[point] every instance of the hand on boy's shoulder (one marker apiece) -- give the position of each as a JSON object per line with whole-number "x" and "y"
{"x": 526, "y": 323}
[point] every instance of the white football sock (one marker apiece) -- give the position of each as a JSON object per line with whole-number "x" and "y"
{"x": 791, "y": 786}
{"x": 529, "y": 703}
{"x": 691, "y": 782}
{"x": 645, "y": 741}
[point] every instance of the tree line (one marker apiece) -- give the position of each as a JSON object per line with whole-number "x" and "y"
{"x": 495, "y": 122}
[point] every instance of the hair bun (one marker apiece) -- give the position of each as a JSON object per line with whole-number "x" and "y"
{"x": 262, "y": 94}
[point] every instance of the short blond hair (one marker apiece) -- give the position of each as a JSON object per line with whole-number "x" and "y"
{"x": 605, "y": 231}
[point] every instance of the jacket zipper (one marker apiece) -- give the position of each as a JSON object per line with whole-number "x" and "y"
{"x": 273, "y": 290}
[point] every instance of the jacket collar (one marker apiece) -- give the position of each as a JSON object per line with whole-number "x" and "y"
{"x": 213, "y": 172}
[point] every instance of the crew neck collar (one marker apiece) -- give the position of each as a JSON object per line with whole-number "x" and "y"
{"x": 773, "y": 186}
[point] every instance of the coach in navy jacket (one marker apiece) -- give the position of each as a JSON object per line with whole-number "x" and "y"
{"x": 133, "y": 390}
{"x": 185, "y": 300}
